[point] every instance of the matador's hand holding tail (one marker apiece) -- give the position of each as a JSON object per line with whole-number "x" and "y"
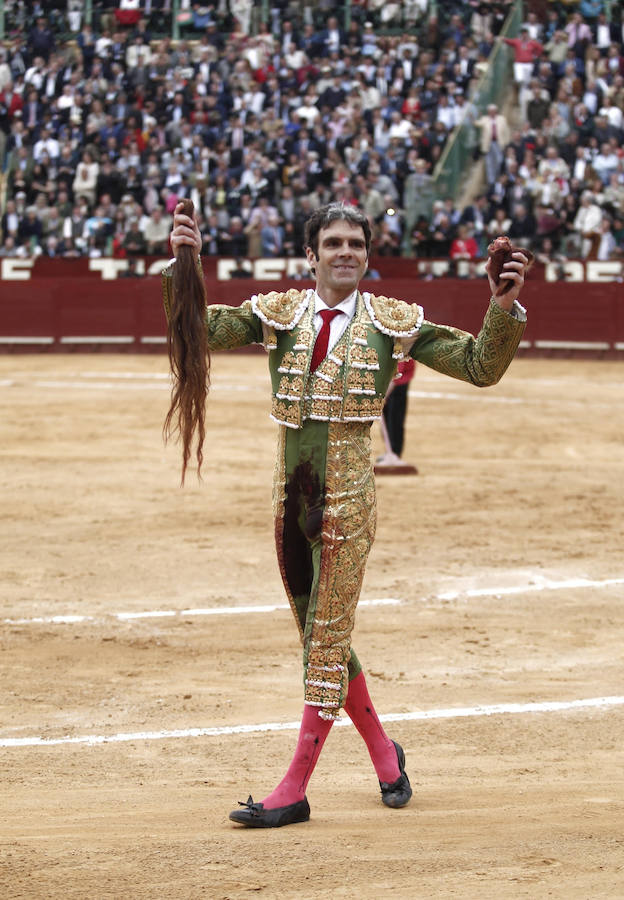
{"x": 189, "y": 356}
{"x": 185, "y": 231}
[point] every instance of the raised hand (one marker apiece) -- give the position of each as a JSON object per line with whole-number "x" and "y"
{"x": 185, "y": 231}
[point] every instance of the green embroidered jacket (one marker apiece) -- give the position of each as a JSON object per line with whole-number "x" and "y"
{"x": 351, "y": 383}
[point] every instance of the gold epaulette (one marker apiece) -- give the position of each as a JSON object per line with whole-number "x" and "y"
{"x": 281, "y": 309}
{"x": 394, "y": 317}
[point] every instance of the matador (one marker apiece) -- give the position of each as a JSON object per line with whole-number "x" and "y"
{"x": 332, "y": 353}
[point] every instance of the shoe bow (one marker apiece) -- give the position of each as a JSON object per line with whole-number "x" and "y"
{"x": 255, "y": 809}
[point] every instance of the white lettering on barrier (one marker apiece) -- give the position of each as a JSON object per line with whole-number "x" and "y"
{"x": 269, "y": 269}
{"x": 604, "y": 270}
{"x": 110, "y": 268}
{"x": 16, "y": 269}
{"x": 592, "y": 271}
{"x": 262, "y": 269}
{"x": 224, "y": 267}
{"x": 570, "y": 270}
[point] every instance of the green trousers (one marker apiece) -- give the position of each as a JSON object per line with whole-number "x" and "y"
{"x": 325, "y": 516}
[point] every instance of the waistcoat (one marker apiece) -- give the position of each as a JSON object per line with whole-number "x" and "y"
{"x": 350, "y": 384}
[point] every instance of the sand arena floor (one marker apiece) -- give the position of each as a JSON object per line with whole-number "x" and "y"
{"x": 121, "y": 740}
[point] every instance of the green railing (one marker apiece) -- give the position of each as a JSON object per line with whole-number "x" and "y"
{"x": 456, "y": 160}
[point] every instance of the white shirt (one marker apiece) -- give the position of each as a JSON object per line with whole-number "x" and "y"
{"x": 603, "y": 36}
{"x": 606, "y": 246}
{"x": 339, "y": 324}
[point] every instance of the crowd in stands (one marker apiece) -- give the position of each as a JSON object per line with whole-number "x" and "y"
{"x": 105, "y": 126}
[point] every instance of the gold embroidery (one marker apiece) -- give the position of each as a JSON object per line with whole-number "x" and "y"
{"x": 361, "y": 380}
{"x": 364, "y": 357}
{"x": 358, "y": 354}
{"x": 372, "y": 357}
{"x": 348, "y": 531}
{"x": 322, "y": 387}
{"x": 395, "y": 316}
{"x": 357, "y": 406}
{"x": 319, "y": 407}
{"x": 286, "y": 411}
{"x": 282, "y": 309}
{"x": 305, "y": 338}
{"x": 482, "y": 360}
{"x": 290, "y": 386}
{"x": 359, "y": 331}
{"x": 296, "y": 386}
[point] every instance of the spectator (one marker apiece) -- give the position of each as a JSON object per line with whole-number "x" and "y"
{"x": 494, "y": 139}
{"x": 607, "y": 245}
{"x": 526, "y": 52}
{"x": 614, "y": 195}
{"x": 475, "y": 216}
{"x": 132, "y": 269}
{"x": 464, "y": 245}
{"x": 10, "y": 221}
{"x": 9, "y": 246}
{"x": 441, "y": 236}
{"x": 156, "y": 233}
{"x": 240, "y": 270}
{"x": 523, "y": 226}
{"x": 134, "y": 242}
{"x": 579, "y": 34}
{"x": 272, "y": 236}
{"x": 97, "y": 229}
{"x": 30, "y": 229}
{"x": 48, "y": 145}
{"x": 588, "y": 225}
{"x": 11, "y": 104}
{"x": 41, "y": 40}
{"x": 606, "y": 163}
{"x": 85, "y": 180}
{"x": 499, "y": 225}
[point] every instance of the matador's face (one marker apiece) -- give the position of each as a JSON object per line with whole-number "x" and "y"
{"x": 341, "y": 261}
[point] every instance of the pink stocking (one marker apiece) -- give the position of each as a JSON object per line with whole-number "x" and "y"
{"x": 361, "y": 711}
{"x": 312, "y": 736}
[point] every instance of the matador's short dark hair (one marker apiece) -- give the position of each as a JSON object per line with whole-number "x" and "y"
{"x": 333, "y": 212}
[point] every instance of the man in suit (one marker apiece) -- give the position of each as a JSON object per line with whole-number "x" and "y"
{"x": 332, "y": 354}
{"x": 332, "y": 38}
{"x": 237, "y": 137}
{"x": 494, "y": 139}
{"x": 605, "y": 33}
{"x": 272, "y": 237}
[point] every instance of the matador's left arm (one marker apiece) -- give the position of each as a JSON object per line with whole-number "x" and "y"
{"x": 480, "y": 360}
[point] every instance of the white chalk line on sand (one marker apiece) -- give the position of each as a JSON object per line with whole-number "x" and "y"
{"x": 497, "y": 709}
{"x": 538, "y": 583}
{"x": 178, "y": 613}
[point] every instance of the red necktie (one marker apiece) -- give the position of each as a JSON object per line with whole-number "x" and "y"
{"x": 322, "y": 339}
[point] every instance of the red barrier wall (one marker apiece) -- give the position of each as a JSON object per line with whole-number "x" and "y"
{"x": 60, "y": 313}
